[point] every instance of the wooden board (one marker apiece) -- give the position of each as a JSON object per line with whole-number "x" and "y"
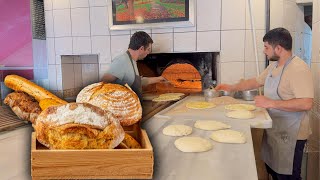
{"x": 93, "y": 163}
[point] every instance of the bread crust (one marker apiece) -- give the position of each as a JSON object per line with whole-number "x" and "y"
{"x": 23, "y": 105}
{"x": 129, "y": 143}
{"x": 78, "y": 126}
{"x": 118, "y": 99}
{"x": 19, "y": 83}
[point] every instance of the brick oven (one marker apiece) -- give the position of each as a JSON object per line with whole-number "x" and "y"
{"x": 186, "y": 72}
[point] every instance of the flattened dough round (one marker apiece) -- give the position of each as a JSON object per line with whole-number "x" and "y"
{"x": 193, "y": 144}
{"x": 240, "y": 114}
{"x": 177, "y": 130}
{"x": 211, "y": 125}
{"x": 248, "y": 107}
{"x": 171, "y": 94}
{"x": 166, "y": 98}
{"x": 200, "y": 105}
{"x": 228, "y": 136}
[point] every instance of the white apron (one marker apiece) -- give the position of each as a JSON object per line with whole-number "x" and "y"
{"x": 278, "y": 143}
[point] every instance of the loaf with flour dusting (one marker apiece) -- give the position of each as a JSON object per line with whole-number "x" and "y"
{"x": 78, "y": 126}
{"x": 118, "y": 99}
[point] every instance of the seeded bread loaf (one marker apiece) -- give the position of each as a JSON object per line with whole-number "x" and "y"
{"x": 23, "y": 105}
{"x": 119, "y": 100}
{"x": 78, "y": 126}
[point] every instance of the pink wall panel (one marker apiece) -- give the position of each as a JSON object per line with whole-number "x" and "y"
{"x": 15, "y": 33}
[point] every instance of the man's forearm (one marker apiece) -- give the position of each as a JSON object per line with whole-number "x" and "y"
{"x": 150, "y": 80}
{"x": 301, "y": 104}
{"x": 246, "y": 85}
{"x": 108, "y": 78}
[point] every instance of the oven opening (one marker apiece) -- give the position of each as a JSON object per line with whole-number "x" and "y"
{"x": 186, "y": 72}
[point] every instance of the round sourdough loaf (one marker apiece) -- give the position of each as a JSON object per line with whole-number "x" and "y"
{"x": 78, "y": 126}
{"x": 119, "y": 100}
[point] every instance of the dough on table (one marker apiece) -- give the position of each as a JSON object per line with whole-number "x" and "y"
{"x": 177, "y": 130}
{"x": 248, "y": 107}
{"x": 200, "y": 105}
{"x": 171, "y": 95}
{"x": 166, "y": 98}
{"x": 240, "y": 114}
{"x": 193, "y": 144}
{"x": 211, "y": 125}
{"x": 228, "y": 136}
{"x": 224, "y": 100}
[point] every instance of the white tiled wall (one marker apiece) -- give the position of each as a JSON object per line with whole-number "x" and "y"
{"x": 314, "y": 140}
{"x": 77, "y": 27}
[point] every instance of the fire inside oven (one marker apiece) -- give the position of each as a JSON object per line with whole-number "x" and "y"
{"x": 186, "y": 72}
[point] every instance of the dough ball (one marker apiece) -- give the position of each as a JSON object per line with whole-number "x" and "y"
{"x": 193, "y": 144}
{"x": 177, "y": 130}
{"x": 211, "y": 125}
{"x": 228, "y": 136}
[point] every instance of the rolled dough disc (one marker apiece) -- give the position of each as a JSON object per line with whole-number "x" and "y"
{"x": 200, "y": 105}
{"x": 240, "y": 114}
{"x": 166, "y": 98}
{"x": 171, "y": 94}
{"x": 211, "y": 125}
{"x": 177, "y": 130}
{"x": 193, "y": 144}
{"x": 248, "y": 107}
{"x": 228, "y": 136}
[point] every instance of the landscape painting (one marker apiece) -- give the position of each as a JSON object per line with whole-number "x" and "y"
{"x": 149, "y": 11}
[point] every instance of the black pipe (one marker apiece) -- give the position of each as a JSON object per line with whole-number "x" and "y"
{"x": 267, "y": 23}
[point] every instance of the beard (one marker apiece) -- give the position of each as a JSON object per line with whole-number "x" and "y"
{"x": 274, "y": 57}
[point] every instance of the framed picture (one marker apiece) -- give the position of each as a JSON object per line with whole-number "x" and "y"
{"x": 139, "y": 14}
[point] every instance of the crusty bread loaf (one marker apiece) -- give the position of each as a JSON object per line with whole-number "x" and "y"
{"x": 18, "y": 83}
{"x": 129, "y": 143}
{"x": 78, "y": 126}
{"x": 118, "y": 99}
{"x": 23, "y": 105}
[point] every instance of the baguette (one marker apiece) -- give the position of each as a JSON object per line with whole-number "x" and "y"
{"x": 19, "y": 83}
{"x": 45, "y": 103}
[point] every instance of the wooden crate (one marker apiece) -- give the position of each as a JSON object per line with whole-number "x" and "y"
{"x": 94, "y": 163}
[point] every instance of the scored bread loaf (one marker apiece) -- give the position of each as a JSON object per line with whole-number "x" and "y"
{"x": 78, "y": 126}
{"x": 19, "y": 83}
{"x": 118, "y": 99}
{"x": 23, "y": 105}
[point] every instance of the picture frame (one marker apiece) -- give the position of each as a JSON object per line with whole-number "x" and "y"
{"x": 141, "y": 14}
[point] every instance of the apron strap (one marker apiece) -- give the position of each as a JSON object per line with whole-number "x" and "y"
{"x": 130, "y": 57}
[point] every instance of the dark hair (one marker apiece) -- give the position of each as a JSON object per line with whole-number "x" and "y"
{"x": 279, "y": 36}
{"x": 138, "y": 39}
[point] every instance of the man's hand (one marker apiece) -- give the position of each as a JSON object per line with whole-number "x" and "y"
{"x": 225, "y": 87}
{"x": 264, "y": 102}
{"x": 151, "y": 80}
{"x": 162, "y": 79}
